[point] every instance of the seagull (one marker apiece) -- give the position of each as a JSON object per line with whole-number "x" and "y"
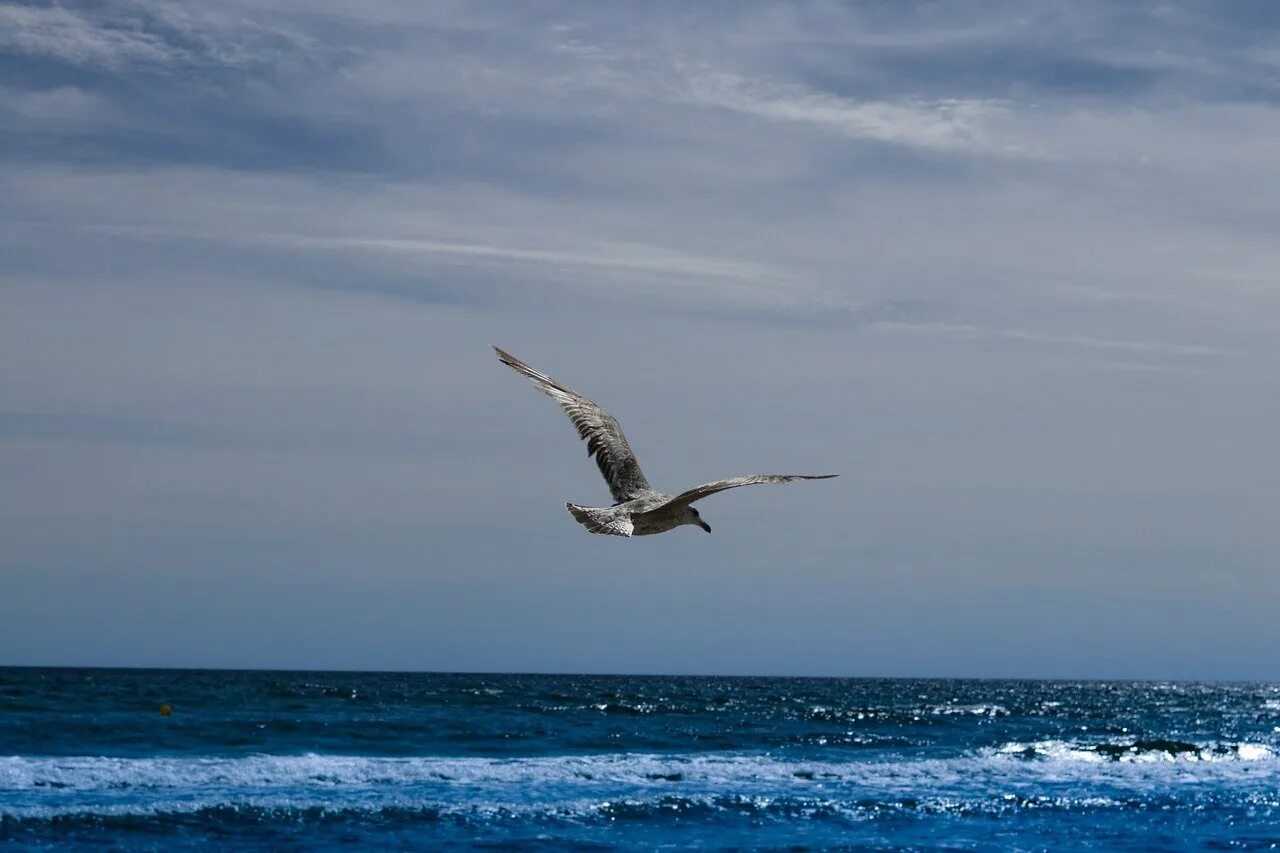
{"x": 638, "y": 509}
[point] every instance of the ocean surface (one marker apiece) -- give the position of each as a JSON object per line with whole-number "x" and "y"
{"x": 309, "y": 760}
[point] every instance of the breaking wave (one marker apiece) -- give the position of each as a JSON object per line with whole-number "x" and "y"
{"x": 1141, "y": 751}
{"x": 1012, "y": 775}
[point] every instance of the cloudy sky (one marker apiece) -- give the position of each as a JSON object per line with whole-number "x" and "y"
{"x": 1011, "y": 269}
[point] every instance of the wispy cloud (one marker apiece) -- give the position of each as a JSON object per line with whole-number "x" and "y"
{"x": 1141, "y": 367}
{"x": 944, "y": 125}
{"x": 76, "y": 38}
{"x": 65, "y": 109}
{"x": 1135, "y": 346}
{"x": 155, "y": 37}
{"x": 639, "y": 258}
{"x": 588, "y": 266}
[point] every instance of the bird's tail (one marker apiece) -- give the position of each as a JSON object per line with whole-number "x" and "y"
{"x": 599, "y": 520}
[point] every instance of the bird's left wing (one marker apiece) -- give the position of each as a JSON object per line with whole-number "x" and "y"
{"x": 598, "y": 428}
{"x": 697, "y": 493}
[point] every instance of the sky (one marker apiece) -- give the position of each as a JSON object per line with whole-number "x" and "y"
{"x": 1009, "y": 268}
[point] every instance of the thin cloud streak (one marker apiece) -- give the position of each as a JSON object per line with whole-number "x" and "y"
{"x": 154, "y": 38}
{"x": 682, "y": 277}
{"x": 974, "y": 332}
{"x": 1141, "y": 367}
{"x": 59, "y": 33}
{"x": 944, "y": 125}
{"x": 639, "y": 258}
{"x": 635, "y": 257}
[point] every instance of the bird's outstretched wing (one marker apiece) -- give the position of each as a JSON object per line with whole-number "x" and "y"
{"x": 597, "y": 427}
{"x": 697, "y": 493}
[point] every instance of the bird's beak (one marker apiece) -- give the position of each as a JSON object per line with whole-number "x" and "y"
{"x": 704, "y": 525}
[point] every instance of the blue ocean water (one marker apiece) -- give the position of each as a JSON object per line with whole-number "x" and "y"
{"x": 311, "y": 760}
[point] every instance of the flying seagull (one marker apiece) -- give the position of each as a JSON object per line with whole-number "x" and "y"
{"x": 638, "y": 509}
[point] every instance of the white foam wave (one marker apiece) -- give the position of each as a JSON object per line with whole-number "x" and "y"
{"x": 974, "y": 710}
{"x": 1021, "y": 774}
{"x": 784, "y": 807}
{"x": 1137, "y": 752}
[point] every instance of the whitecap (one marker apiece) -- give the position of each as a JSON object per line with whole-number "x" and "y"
{"x": 1036, "y": 772}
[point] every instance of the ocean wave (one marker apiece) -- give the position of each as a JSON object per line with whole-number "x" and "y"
{"x": 814, "y": 804}
{"x": 1139, "y": 750}
{"x": 266, "y": 771}
{"x": 37, "y": 783}
{"x": 972, "y": 710}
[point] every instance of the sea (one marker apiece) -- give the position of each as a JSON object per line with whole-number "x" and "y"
{"x": 319, "y": 760}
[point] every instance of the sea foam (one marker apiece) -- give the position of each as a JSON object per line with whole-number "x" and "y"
{"x": 35, "y": 786}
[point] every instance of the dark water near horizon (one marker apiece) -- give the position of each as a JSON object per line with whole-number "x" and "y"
{"x": 309, "y": 760}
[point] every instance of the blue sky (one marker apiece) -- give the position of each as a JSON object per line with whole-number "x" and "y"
{"x": 1010, "y": 268}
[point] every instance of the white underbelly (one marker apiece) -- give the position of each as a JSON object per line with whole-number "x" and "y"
{"x": 649, "y": 526}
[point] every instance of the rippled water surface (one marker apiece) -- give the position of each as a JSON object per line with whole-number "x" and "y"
{"x": 312, "y": 759}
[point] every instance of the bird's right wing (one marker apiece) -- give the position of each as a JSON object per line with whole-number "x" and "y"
{"x": 597, "y": 427}
{"x": 697, "y": 493}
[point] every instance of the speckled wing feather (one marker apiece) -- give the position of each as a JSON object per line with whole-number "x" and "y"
{"x": 697, "y": 493}
{"x": 597, "y": 520}
{"x": 597, "y": 427}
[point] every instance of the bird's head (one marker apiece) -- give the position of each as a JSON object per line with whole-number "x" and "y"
{"x": 691, "y": 516}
